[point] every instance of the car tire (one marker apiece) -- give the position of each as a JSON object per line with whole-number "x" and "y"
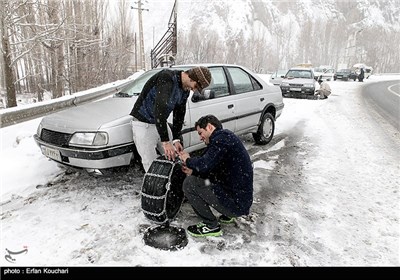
{"x": 265, "y": 130}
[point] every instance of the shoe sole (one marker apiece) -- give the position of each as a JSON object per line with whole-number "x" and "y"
{"x": 231, "y": 221}
{"x": 212, "y": 234}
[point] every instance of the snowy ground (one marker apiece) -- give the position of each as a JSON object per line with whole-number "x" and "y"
{"x": 326, "y": 194}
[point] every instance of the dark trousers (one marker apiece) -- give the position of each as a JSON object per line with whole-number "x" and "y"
{"x": 200, "y": 195}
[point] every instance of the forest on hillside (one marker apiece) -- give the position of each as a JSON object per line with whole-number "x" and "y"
{"x": 269, "y": 35}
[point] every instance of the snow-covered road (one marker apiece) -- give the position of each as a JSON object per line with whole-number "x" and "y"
{"x": 326, "y": 194}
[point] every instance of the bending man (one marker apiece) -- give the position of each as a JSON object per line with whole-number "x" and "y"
{"x": 165, "y": 92}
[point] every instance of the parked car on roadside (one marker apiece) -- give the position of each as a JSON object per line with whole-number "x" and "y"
{"x": 323, "y": 69}
{"x": 298, "y": 82}
{"x": 345, "y": 75}
{"x": 97, "y": 136}
{"x": 367, "y": 70}
{"x": 277, "y": 76}
{"x": 328, "y": 75}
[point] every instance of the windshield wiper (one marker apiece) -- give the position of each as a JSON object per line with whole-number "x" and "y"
{"x": 122, "y": 94}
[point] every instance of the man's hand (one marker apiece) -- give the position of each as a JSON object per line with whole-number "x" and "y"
{"x": 169, "y": 150}
{"x": 186, "y": 170}
{"x": 183, "y": 155}
{"x": 178, "y": 146}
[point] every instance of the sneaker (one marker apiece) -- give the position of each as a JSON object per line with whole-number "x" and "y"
{"x": 226, "y": 220}
{"x": 202, "y": 230}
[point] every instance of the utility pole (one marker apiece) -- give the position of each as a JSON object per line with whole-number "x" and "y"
{"x": 141, "y": 40}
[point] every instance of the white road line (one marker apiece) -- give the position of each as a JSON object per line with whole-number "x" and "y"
{"x": 392, "y": 91}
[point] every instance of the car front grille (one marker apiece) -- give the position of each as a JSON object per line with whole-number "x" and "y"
{"x": 296, "y": 85}
{"x": 55, "y": 137}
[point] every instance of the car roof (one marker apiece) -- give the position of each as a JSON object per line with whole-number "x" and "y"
{"x": 204, "y": 64}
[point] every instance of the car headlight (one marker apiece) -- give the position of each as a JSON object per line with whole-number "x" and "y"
{"x": 39, "y": 130}
{"x": 309, "y": 85}
{"x": 89, "y": 138}
{"x": 284, "y": 84}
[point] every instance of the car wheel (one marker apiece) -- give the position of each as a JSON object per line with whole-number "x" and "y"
{"x": 265, "y": 130}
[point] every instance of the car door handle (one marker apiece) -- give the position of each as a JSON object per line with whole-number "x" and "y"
{"x": 262, "y": 99}
{"x": 230, "y": 106}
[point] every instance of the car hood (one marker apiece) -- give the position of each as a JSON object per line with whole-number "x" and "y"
{"x": 91, "y": 116}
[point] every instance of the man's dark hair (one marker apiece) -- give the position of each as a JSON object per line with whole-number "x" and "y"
{"x": 209, "y": 119}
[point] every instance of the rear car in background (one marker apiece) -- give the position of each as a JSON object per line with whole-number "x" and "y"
{"x": 367, "y": 70}
{"x": 298, "y": 82}
{"x": 97, "y": 136}
{"x": 328, "y": 75}
{"x": 345, "y": 75}
{"x": 325, "y": 72}
{"x": 277, "y": 76}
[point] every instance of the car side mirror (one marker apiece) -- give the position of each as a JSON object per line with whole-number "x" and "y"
{"x": 204, "y": 95}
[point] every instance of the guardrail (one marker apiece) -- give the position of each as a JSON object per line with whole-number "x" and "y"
{"x": 27, "y": 112}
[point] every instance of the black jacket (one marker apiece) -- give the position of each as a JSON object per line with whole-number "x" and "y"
{"x": 161, "y": 95}
{"x": 226, "y": 163}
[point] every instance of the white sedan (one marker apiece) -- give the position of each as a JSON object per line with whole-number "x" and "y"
{"x": 98, "y": 135}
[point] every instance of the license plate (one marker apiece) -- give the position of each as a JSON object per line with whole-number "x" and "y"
{"x": 295, "y": 89}
{"x": 51, "y": 153}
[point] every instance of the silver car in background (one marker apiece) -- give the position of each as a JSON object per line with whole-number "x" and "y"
{"x": 299, "y": 82}
{"x": 277, "y": 76}
{"x": 98, "y": 136}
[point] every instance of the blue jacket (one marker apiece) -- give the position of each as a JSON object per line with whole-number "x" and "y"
{"x": 226, "y": 163}
{"x": 161, "y": 95}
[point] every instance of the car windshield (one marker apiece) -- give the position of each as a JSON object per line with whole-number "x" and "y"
{"x": 344, "y": 70}
{"x": 299, "y": 74}
{"x": 134, "y": 88}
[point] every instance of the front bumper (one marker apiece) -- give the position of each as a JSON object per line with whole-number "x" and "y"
{"x": 93, "y": 158}
{"x": 297, "y": 91}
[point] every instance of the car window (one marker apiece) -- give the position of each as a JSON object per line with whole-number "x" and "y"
{"x": 281, "y": 73}
{"x": 219, "y": 85}
{"x": 242, "y": 81}
{"x": 217, "y": 88}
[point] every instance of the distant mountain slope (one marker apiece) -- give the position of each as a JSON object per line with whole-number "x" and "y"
{"x": 283, "y": 33}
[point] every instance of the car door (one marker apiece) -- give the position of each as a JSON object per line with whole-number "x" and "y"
{"x": 249, "y": 99}
{"x": 218, "y": 101}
